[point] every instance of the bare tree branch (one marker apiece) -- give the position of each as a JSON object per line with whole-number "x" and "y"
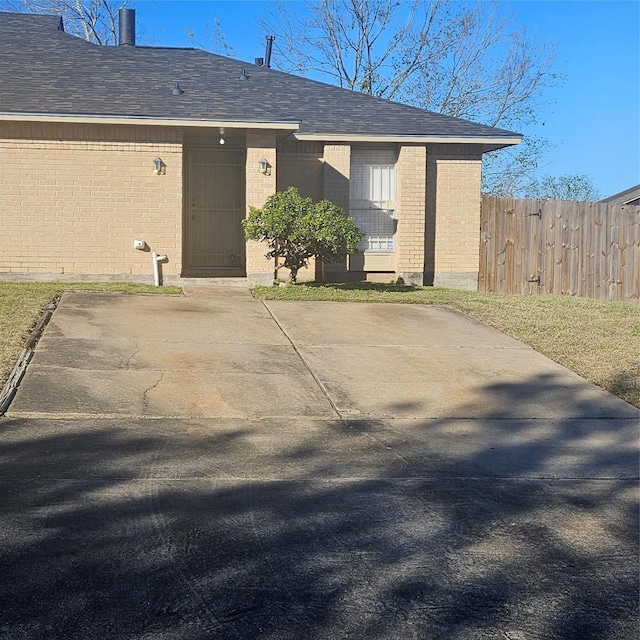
{"x": 468, "y": 60}
{"x": 578, "y": 187}
{"x": 212, "y": 40}
{"x": 93, "y": 20}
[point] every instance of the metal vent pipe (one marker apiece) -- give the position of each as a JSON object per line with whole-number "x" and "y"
{"x": 267, "y": 54}
{"x": 127, "y": 32}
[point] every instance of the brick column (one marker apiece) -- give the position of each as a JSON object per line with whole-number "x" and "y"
{"x": 260, "y": 145}
{"x": 411, "y": 170}
{"x": 454, "y": 208}
{"x": 337, "y": 171}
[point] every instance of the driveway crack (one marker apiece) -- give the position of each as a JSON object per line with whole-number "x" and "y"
{"x": 145, "y": 398}
{"x": 127, "y": 364}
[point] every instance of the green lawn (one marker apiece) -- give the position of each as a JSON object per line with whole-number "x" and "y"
{"x": 22, "y": 304}
{"x": 598, "y": 340}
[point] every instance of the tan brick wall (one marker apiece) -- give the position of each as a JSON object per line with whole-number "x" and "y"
{"x": 75, "y": 197}
{"x": 453, "y": 216}
{"x": 300, "y": 165}
{"x": 260, "y": 145}
{"x": 411, "y": 170}
{"x": 337, "y": 170}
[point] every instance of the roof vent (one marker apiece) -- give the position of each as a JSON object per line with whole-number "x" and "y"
{"x": 243, "y": 75}
{"x": 177, "y": 91}
{"x": 127, "y": 19}
{"x": 266, "y": 61}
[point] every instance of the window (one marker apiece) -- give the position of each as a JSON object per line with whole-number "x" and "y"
{"x": 372, "y": 195}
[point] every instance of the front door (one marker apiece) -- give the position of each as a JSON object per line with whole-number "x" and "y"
{"x": 214, "y": 209}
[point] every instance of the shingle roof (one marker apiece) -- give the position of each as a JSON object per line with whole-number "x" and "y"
{"x": 46, "y": 71}
{"x": 624, "y": 197}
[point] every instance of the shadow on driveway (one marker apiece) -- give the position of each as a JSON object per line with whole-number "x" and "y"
{"x": 318, "y": 529}
{"x": 297, "y": 527}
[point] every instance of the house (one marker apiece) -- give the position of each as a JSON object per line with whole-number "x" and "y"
{"x": 109, "y": 150}
{"x": 627, "y": 197}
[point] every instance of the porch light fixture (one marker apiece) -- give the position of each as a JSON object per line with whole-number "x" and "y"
{"x": 222, "y": 140}
{"x": 159, "y": 167}
{"x": 264, "y": 167}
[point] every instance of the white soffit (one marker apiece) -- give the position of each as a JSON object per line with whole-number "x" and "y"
{"x": 421, "y": 139}
{"x": 147, "y": 121}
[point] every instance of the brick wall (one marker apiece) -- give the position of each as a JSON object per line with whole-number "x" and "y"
{"x": 260, "y": 145}
{"x": 453, "y": 214}
{"x": 337, "y": 170}
{"x": 410, "y": 212}
{"x": 75, "y": 197}
{"x": 300, "y": 165}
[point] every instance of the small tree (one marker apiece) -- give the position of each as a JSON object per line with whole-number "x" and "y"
{"x": 296, "y": 229}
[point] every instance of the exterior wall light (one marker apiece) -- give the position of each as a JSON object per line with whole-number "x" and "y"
{"x": 264, "y": 167}
{"x": 159, "y": 167}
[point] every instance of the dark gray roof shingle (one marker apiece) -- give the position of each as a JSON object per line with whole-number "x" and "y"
{"x": 624, "y": 197}
{"x": 46, "y": 71}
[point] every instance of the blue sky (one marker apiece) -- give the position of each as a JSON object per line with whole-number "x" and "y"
{"x": 593, "y": 122}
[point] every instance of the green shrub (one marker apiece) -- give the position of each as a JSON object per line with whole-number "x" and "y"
{"x": 296, "y": 229}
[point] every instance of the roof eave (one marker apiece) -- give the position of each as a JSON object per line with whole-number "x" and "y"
{"x": 288, "y": 125}
{"x": 487, "y": 147}
{"x": 489, "y": 143}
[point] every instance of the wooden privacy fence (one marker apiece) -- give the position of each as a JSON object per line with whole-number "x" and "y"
{"x": 554, "y": 246}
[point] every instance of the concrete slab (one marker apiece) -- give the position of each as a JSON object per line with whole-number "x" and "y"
{"x": 404, "y": 361}
{"x": 310, "y": 449}
{"x": 60, "y": 390}
{"x": 453, "y": 382}
{"x": 481, "y": 492}
{"x": 214, "y": 355}
{"x": 357, "y": 324}
{"x": 208, "y": 358}
{"x": 248, "y": 395}
{"x": 234, "y": 317}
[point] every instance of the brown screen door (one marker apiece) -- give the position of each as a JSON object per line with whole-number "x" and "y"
{"x": 214, "y": 208}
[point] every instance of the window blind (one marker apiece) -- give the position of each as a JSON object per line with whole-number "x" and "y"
{"x": 372, "y": 193}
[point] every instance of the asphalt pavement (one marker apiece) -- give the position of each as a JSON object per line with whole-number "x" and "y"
{"x": 213, "y": 466}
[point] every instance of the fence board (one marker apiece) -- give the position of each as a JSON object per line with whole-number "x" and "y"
{"x": 574, "y": 248}
{"x": 599, "y": 231}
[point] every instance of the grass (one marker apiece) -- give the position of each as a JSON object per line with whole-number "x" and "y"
{"x": 22, "y": 303}
{"x": 598, "y": 340}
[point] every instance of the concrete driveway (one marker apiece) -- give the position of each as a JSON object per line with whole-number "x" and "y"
{"x": 212, "y": 466}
